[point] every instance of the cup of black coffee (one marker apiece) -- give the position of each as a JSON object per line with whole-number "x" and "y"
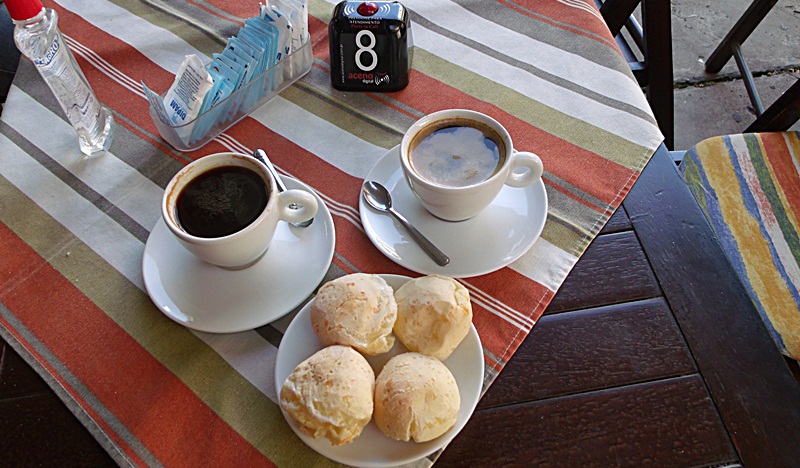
{"x": 457, "y": 161}
{"x": 224, "y": 208}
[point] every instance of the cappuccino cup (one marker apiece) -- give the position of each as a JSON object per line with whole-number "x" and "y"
{"x": 224, "y": 208}
{"x": 456, "y": 162}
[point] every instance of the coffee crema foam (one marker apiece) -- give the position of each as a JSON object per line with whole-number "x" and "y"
{"x": 457, "y": 153}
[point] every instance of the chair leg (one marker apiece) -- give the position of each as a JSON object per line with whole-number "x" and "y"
{"x": 658, "y": 54}
{"x": 747, "y": 78}
{"x": 781, "y": 115}
{"x": 739, "y": 33}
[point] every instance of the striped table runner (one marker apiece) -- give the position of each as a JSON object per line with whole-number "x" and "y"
{"x": 72, "y": 231}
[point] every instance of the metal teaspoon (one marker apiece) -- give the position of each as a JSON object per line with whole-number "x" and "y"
{"x": 261, "y": 155}
{"x": 379, "y": 198}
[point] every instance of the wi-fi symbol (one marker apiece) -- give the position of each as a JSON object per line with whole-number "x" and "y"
{"x": 349, "y": 9}
{"x": 384, "y": 9}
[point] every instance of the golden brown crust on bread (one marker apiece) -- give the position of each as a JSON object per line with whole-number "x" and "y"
{"x": 330, "y": 394}
{"x": 356, "y": 310}
{"x": 434, "y": 314}
{"x": 416, "y": 397}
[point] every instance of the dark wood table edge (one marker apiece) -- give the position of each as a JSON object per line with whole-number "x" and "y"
{"x": 748, "y": 379}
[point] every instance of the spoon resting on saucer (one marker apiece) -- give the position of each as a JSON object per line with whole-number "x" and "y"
{"x": 261, "y": 155}
{"x": 378, "y": 197}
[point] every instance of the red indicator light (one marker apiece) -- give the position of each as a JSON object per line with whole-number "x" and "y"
{"x": 367, "y": 9}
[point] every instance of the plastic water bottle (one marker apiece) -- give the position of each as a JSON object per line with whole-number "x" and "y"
{"x": 38, "y": 38}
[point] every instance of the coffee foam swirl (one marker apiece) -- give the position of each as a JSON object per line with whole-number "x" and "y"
{"x": 456, "y": 154}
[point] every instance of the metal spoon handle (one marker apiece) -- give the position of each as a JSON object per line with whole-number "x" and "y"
{"x": 437, "y": 255}
{"x": 261, "y": 156}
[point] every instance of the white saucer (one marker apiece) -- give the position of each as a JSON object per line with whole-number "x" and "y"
{"x": 204, "y": 297}
{"x": 372, "y": 448}
{"x": 496, "y": 237}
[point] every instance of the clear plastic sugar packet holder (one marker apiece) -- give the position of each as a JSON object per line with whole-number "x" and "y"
{"x": 224, "y": 114}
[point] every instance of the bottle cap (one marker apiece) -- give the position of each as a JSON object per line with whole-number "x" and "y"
{"x": 21, "y": 10}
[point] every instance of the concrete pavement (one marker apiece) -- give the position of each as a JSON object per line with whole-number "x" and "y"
{"x": 707, "y": 105}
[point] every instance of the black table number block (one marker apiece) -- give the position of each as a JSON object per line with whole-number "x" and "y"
{"x": 369, "y": 46}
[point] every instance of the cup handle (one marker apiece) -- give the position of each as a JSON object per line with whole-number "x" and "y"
{"x": 524, "y": 159}
{"x": 288, "y": 202}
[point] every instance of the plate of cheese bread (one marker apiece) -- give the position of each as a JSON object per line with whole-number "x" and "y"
{"x": 381, "y": 370}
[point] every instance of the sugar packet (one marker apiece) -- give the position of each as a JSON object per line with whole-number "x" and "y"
{"x": 183, "y": 100}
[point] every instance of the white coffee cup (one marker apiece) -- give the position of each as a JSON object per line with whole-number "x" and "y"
{"x": 244, "y": 247}
{"x": 463, "y": 199}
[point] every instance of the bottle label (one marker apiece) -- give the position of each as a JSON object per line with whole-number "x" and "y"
{"x": 56, "y": 68}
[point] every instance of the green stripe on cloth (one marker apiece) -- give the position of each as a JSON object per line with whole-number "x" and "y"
{"x": 692, "y": 174}
{"x": 320, "y": 9}
{"x": 760, "y": 161}
{"x": 197, "y": 365}
{"x": 347, "y": 117}
{"x": 564, "y": 235}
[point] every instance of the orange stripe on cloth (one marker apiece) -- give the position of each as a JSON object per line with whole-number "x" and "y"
{"x": 318, "y": 28}
{"x": 778, "y": 156}
{"x": 295, "y": 159}
{"x": 127, "y": 380}
{"x": 240, "y": 8}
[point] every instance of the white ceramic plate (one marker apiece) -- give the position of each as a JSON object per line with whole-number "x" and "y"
{"x": 204, "y": 297}
{"x": 496, "y": 237}
{"x": 372, "y": 448}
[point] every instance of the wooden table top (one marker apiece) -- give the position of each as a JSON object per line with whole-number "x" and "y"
{"x": 650, "y": 352}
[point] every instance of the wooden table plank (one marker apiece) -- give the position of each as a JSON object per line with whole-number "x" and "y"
{"x": 618, "y": 222}
{"x": 613, "y": 270}
{"x": 593, "y": 349}
{"x": 669, "y": 422}
{"x": 757, "y": 396}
